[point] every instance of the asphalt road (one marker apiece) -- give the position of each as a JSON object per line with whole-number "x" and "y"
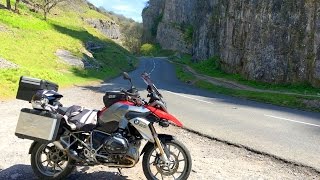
{"x": 286, "y": 133}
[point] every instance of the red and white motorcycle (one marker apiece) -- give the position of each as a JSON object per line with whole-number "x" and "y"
{"x": 68, "y": 137}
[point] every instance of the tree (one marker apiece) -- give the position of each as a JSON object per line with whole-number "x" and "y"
{"x": 132, "y": 33}
{"x": 16, "y": 6}
{"x": 8, "y": 4}
{"x": 148, "y": 49}
{"x": 46, "y": 5}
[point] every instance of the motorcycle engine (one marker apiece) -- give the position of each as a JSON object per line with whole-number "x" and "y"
{"x": 133, "y": 151}
{"x": 116, "y": 144}
{"x": 115, "y": 147}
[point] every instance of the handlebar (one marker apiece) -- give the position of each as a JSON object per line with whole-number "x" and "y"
{"x": 130, "y": 94}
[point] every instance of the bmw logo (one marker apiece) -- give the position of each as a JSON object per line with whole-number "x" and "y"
{"x": 136, "y": 121}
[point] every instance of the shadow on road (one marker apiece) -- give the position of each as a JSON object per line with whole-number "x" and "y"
{"x": 22, "y": 172}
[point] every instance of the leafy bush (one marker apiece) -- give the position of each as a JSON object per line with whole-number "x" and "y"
{"x": 149, "y": 49}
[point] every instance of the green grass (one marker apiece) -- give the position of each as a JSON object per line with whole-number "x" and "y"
{"x": 182, "y": 75}
{"x": 292, "y": 101}
{"x": 30, "y": 42}
{"x": 211, "y": 67}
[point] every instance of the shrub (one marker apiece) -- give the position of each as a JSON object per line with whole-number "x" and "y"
{"x": 148, "y": 49}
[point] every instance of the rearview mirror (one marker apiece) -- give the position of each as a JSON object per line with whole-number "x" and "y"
{"x": 126, "y": 76}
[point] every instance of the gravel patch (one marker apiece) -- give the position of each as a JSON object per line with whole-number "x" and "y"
{"x": 211, "y": 159}
{"x": 4, "y": 64}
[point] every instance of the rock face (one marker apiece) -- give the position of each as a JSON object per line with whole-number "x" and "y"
{"x": 4, "y": 64}
{"x": 152, "y": 15}
{"x": 108, "y": 28}
{"x": 267, "y": 40}
{"x": 87, "y": 62}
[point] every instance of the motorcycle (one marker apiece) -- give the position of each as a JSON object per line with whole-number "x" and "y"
{"x": 65, "y": 138}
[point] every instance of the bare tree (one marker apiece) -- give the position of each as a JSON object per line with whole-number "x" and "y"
{"x": 8, "y": 4}
{"x": 46, "y": 5}
{"x": 16, "y": 6}
{"x": 132, "y": 33}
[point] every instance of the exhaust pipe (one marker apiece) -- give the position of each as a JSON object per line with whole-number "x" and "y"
{"x": 72, "y": 154}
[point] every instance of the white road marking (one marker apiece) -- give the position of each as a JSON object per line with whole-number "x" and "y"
{"x": 154, "y": 66}
{"x": 285, "y": 119}
{"x": 190, "y": 97}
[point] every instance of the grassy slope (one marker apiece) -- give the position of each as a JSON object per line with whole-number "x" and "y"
{"x": 210, "y": 68}
{"x": 31, "y": 42}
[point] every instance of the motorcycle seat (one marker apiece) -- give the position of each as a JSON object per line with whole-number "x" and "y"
{"x": 79, "y": 118}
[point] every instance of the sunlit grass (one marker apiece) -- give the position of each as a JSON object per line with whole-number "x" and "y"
{"x": 211, "y": 67}
{"x": 31, "y": 43}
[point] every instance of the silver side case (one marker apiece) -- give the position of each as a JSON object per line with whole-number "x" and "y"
{"x": 142, "y": 125}
{"x": 42, "y": 126}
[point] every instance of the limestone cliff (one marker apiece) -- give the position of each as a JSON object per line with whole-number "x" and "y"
{"x": 109, "y": 28}
{"x": 266, "y": 40}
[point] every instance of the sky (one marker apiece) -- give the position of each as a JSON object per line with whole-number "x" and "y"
{"x": 129, "y": 8}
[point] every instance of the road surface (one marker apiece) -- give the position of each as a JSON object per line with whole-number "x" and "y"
{"x": 286, "y": 133}
{"x": 237, "y": 121}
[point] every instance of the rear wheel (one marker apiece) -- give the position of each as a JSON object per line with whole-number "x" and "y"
{"x": 49, "y": 162}
{"x": 178, "y": 168}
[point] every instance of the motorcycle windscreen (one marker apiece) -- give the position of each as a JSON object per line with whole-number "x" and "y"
{"x": 164, "y": 115}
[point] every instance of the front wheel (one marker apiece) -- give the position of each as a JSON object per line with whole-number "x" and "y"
{"x": 49, "y": 162}
{"x": 179, "y": 166}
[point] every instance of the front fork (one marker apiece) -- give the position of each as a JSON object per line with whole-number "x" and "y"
{"x": 163, "y": 155}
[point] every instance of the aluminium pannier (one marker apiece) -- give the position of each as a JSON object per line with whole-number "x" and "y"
{"x": 37, "y": 125}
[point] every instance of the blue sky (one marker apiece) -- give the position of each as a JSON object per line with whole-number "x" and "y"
{"x": 128, "y": 8}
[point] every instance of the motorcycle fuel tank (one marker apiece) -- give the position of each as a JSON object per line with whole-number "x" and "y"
{"x": 110, "y": 118}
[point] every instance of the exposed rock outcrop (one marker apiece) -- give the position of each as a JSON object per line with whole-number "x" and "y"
{"x": 4, "y": 64}
{"x": 86, "y": 62}
{"x": 109, "y": 28}
{"x": 267, "y": 40}
{"x": 152, "y": 15}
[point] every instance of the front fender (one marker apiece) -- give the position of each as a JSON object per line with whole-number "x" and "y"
{"x": 162, "y": 137}
{"x": 165, "y": 115}
{"x": 32, "y": 146}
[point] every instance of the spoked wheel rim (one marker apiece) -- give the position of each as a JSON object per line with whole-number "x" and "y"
{"x": 177, "y": 167}
{"x": 51, "y": 161}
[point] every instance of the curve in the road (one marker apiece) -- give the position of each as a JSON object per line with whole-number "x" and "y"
{"x": 286, "y": 133}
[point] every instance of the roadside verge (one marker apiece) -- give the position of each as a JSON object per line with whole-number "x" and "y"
{"x": 307, "y": 102}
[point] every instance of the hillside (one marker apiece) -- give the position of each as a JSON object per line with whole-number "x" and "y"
{"x": 73, "y": 46}
{"x": 273, "y": 41}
